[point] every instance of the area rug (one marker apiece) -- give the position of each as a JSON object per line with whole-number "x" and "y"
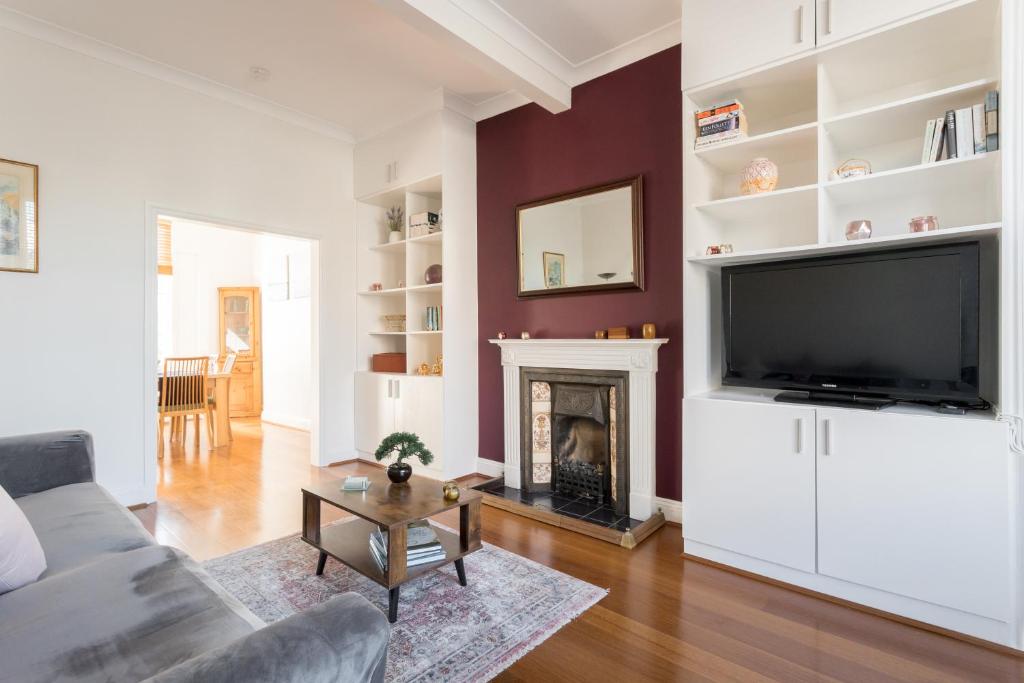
{"x": 444, "y": 632}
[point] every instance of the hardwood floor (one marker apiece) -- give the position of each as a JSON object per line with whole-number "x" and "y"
{"x": 665, "y": 618}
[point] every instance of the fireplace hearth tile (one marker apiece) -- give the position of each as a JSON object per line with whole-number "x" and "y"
{"x": 578, "y": 508}
{"x": 605, "y": 516}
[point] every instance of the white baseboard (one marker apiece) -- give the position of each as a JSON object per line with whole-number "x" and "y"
{"x": 490, "y": 468}
{"x": 302, "y": 423}
{"x": 672, "y": 509}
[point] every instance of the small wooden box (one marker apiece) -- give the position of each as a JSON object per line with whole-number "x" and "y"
{"x": 618, "y": 333}
{"x": 387, "y": 362}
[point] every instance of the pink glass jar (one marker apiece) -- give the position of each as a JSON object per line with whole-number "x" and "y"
{"x": 924, "y": 224}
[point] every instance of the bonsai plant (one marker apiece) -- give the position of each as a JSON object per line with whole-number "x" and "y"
{"x": 394, "y": 217}
{"x": 402, "y": 445}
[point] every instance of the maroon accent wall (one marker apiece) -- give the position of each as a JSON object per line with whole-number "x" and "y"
{"x": 625, "y": 123}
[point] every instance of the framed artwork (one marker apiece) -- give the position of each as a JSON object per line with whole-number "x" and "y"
{"x": 19, "y": 217}
{"x": 554, "y": 270}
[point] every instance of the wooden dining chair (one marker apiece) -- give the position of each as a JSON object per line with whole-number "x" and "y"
{"x": 211, "y": 399}
{"x": 184, "y": 390}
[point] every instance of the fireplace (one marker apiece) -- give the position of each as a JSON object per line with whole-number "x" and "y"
{"x": 575, "y": 435}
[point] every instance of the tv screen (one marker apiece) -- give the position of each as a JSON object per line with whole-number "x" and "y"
{"x": 898, "y": 324}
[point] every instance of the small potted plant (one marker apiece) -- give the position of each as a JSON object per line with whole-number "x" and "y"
{"x": 403, "y": 445}
{"x": 394, "y": 217}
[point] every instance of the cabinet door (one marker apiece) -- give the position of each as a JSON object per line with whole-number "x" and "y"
{"x": 917, "y": 506}
{"x": 838, "y": 19}
{"x": 418, "y": 410}
{"x": 748, "y": 479}
{"x": 371, "y": 165}
{"x": 417, "y": 150}
{"x": 722, "y": 39}
{"x": 374, "y": 409}
{"x": 242, "y": 397}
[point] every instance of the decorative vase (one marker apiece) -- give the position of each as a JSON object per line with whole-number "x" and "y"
{"x": 433, "y": 274}
{"x": 450, "y": 489}
{"x": 648, "y": 331}
{"x": 924, "y": 224}
{"x": 760, "y": 175}
{"x": 399, "y": 472}
{"x": 395, "y": 236}
{"x": 858, "y": 230}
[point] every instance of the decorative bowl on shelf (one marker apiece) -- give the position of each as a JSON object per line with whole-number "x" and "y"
{"x": 851, "y": 168}
{"x": 858, "y": 229}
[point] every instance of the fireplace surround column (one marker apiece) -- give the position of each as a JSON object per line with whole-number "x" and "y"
{"x": 638, "y": 357}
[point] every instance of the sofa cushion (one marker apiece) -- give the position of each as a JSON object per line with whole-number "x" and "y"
{"x": 21, "y": 557}
{"x": 79, "y": 523}
{"x": 124, "y": 617}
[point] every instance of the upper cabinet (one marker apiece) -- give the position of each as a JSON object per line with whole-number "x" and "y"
{"x": 719, "y": 42}
{"x": 403, "y": 156}
{"x": 839, "y": 19}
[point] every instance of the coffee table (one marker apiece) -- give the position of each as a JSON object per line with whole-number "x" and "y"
{"x": 389, "y": 507}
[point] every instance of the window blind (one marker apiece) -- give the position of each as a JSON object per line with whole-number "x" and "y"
{"x": 164, "y": 260}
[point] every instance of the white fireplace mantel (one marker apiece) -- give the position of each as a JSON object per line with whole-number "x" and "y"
{"x": 638, "y": 357}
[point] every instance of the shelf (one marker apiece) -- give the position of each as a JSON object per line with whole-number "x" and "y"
{"x": 430, "y": 185}
{"x": 425, "y": 332}
{"x": 397, "y": 291}
{"x": 921, "y": 105}
{"x": 748, "y": 208}
{"x": 781, "y": 146}
{"x": 388, "y": 334}
{"x": 399, "y": 246}
{"x": 935, "y": 178}
{"x": 810, "y": 250}
{"x": 424, "y": 288}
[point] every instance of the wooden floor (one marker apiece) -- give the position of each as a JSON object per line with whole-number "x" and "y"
{"x": 665, "y": 619}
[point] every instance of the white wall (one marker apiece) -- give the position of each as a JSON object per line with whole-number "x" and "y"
{"x": 112, "y": 146}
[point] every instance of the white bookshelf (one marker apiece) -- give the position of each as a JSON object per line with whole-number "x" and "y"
{"x": 438, "y": 153}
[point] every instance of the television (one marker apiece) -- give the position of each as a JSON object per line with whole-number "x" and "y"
{"x": 915, "y": 324}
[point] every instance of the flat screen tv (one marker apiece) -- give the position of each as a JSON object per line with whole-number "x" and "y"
{"x": 900, "y": 324}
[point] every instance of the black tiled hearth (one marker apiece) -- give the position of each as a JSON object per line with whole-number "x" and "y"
{"x": 576, "y": 508}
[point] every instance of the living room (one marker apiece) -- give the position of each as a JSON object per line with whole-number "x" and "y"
{"x": 649, "y": 341}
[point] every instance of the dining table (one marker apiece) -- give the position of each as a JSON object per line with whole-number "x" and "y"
{"x": 220, "y": 385}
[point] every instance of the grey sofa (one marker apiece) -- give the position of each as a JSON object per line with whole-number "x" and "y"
{"x": 114, "y": 606}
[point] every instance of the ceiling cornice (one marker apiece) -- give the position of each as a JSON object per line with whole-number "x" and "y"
{"x": 18, "y": 22}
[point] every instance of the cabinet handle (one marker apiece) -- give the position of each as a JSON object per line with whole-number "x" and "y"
{"x": 398, "y": 388}
{"x": 826, "y": 426}
{"x": 828, "y": 17}
{"x": 391, "y": 388}
{"x": 799, "y": 435}
{"x": 800, "y": 24}
{"x": 395, "y": 164}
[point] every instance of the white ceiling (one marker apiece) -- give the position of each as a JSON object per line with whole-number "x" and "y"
{"x": 351, "y": 64}
{"x": 581, "y": 30}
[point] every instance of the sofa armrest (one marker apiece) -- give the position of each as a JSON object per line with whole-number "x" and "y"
{"x": 37, "y": 462}
{"x": 343, "y": 639}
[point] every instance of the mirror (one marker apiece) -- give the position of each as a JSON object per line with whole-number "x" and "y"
{"x": 583, "y": 241}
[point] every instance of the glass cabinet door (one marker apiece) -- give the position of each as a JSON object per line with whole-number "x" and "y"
{"x": 238, "y": 323}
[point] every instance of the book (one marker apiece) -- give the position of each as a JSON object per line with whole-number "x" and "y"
{"x": 938, "y": 138}
{"x": 726, "y": 124}
{"x": 964, "y": 133}
{"x": 951, "y": 150}
{"x": 926, "y": 145}
{"x": 422, "y": 545}
{"x": 423, "y": 218}
{"x": 355, "y": 484}
{"x": 718, "y": 138}
{"x": 978, "y": 128}
{"x": 992, "y": 121}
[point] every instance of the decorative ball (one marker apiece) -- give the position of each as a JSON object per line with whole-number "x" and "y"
{"x": 760, "y": 175}
{"x": 450, "y": 490}
{"x": 433, "y": 274}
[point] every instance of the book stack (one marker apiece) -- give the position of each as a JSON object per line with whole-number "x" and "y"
{"x": 424, "y": 223}
{"x": 963, "y": 132}
{"x": 355, "y": 484}
{"x": 432, "y": 319}
{"x": 721, "y": 123}
{"x": 422, "y": 546}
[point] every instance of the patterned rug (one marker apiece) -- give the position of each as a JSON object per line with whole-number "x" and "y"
{"x": 444, "y": 632}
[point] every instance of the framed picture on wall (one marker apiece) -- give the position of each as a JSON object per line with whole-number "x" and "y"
{"x": 19, "y": 217}
{"x": 554, "y": 269}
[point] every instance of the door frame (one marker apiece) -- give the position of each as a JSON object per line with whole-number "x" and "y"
{"x": 149, "y": 333}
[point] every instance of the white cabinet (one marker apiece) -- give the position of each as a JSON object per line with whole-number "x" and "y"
{"x": 839, "y": 19}
{"x": 721, "y": 39}
{"x": 393, "y": 403}
{"x": 748, "y": 479}
{"x": 402, "y": 156}
{"x": 917, "y": 506}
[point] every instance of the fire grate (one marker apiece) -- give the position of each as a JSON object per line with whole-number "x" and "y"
{"x": 575, "y": 478}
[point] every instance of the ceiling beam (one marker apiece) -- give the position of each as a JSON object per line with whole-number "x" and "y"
{"x": 450, "y": 24}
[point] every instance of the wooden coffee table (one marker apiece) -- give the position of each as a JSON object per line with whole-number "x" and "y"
{"x": 389, "y": 507}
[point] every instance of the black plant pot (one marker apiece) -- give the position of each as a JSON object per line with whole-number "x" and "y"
{"x": 399, "y": 472}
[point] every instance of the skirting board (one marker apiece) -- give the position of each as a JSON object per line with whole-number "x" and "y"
{"x": 490, "y": 468}
{"x": 286, "y": 421}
